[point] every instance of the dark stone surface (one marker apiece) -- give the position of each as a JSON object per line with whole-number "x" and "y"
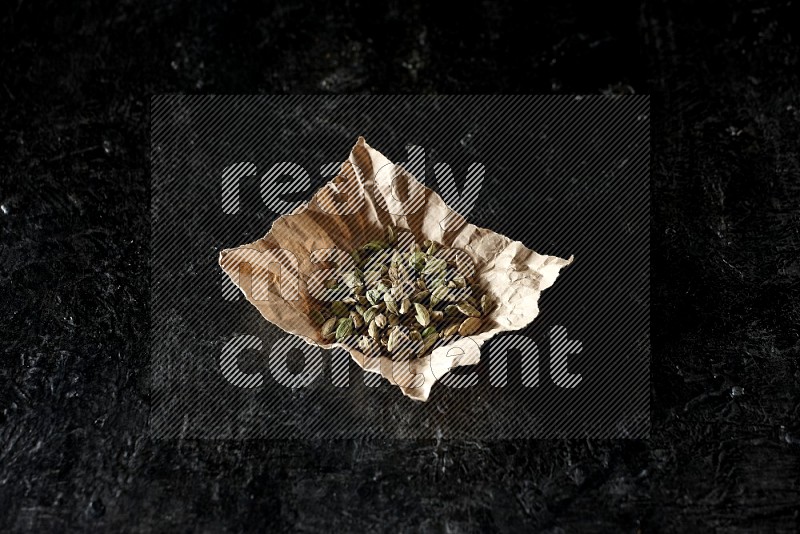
{"x": 74, "y": 87}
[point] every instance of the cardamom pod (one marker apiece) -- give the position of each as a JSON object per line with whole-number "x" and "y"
{"x": 351, "y": 280}
{"x": 486, "y": 304}
{"x": 450, "y": 310}
{"x": 450, "y": 330}
{"x": 423, "y": 316}
{"x": 420, "y": 296}
{"x": 394, "y": 274}
{"x": 391, "y": 343}
{"x": 328, "y": 330}
{"x": 417, "y": 261}
{"x": 373, "y": 330}
{"x": 468, "y": 309}
{"x": 469, "y": 326}
{"x": 373, "y": 295}
{"x": 374, "y": 246}
{"x": 369, "y": 314}
{"x": 380, "y": 320}
{"x": 344, "y": 328}
{"x": 430, "y": 330}
{"x": 391, "y": 304}
{"x": 438, "y": 295}
{"x": 428, "y": 341}
{"x": 405, "y": 305}
{"x": 434, "y": 266}
{"x": 358, "y": 321}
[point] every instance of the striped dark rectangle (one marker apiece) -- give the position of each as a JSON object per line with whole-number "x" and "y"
{"x": 565, "y": 175}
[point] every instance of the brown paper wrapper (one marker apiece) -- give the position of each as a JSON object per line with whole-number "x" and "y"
{"x": 356, "y": 207}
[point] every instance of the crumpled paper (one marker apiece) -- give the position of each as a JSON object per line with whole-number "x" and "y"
{"x": 356, "y": 207}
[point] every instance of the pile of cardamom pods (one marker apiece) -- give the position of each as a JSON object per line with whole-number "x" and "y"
{"x": 401, "y": 299}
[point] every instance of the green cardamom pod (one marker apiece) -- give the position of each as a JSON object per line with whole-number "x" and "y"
{"x": 438, "y": 295}
{"x": 417, "y": 261}
{"x": 373, "y": 296}
{"x": 468, "y": 309}
{"x": 450, "y": 330}
{"x": 391, "y": 343}
{"x": 369, "y": 314}
{"x": 374, "y": 246}
{"x": 486, "y": 304}
{"x": 423, "y": 316}
{"x": 450, "y": 310}
{"x": 344, "y": 328}
{"x": 428, "y": 341}
{"x": 420, "y": 296}
{"x": 434, "y": 266}
{"x": 358, "y": 321}
{"x": 391, "y": 304}
{"x": 373, "y": 330}
{"x": 393, "y": 274}
{"x": 469, "y": 326}
{"x": 328, "y": 330}
{"x": 429, "y": 331}
{"x": 351, "y": 280}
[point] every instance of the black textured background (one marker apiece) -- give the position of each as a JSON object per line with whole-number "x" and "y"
{"x": 75, "y": 83}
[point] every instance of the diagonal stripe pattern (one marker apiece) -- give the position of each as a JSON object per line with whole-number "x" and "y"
{"x": 564, "y": 175}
